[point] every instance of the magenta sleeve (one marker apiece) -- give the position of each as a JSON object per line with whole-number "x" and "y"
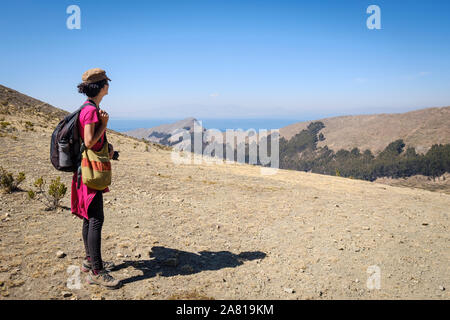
{"x": 90, "y": 116}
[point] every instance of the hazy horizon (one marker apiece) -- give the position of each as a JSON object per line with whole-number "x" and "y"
{"x": 252, "y": 59}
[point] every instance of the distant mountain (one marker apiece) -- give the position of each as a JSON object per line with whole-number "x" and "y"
{"x": 162, "y": 134}
{"x": 420, "y": 129}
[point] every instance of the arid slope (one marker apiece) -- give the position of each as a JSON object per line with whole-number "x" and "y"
{"x": 419, "y": 128}
{"x": 221, "y": 231}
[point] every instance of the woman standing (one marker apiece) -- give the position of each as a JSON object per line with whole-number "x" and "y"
{"x": 87, "y": 203}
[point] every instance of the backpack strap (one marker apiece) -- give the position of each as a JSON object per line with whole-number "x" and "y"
{"x": 82, "y": 146}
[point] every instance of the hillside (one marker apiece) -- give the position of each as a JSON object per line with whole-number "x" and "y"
{"x": 420, "y": 129}
{"x": 221, "y": 231}
{"x": 12, "y": 101}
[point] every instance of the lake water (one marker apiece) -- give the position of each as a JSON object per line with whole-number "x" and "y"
{"x": 122, "y": 125}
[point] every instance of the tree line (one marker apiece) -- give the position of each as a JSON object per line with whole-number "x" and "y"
{"x": 301, "y": 153}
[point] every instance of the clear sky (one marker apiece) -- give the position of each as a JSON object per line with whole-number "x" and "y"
{"x": 232, "y": 59}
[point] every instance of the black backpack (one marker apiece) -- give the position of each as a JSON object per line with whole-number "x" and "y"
{"x": 65, "y": 146}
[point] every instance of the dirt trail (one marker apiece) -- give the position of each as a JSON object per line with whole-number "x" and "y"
{"x": 223, "y": 231}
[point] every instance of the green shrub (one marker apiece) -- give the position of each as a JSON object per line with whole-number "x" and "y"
{"x": 31, "y": 194}
{"x": 8, "y": 183}
{"x": 29, "y": 126}
{"x": 56, "y": 192}
{"x": 4, "y": 124}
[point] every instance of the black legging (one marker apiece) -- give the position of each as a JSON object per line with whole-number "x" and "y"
{"x": 92, "y": 231}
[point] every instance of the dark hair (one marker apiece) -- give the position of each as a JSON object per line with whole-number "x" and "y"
{"x": 91, "y": 89}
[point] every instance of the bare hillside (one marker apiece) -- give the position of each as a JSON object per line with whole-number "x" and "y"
{"x": 221, "y": 231}
{"x": 420, "y": 129}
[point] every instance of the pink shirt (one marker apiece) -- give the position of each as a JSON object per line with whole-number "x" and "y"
{"x": 82, "y": 197}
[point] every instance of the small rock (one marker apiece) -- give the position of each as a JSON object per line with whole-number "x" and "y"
{"x": 337, "y": 205}
{"x": 66, "y": 294}
{"x": 289, "y": 290}
{"x": 7, "y": 215}
{"x": 366, "y": 228}
{"x": 442, "y": 288}
{"x": 137, "y": 255}
{"x": 119, "y": 255}
{"x": 424, "y": 223}
{"x": 60, "y": 254}
{"x": 357, "y": 280}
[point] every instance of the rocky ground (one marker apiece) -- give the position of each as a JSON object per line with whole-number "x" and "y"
{"x": 221, "y": 231}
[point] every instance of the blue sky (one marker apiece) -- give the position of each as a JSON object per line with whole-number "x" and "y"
{"x": 232, "y": 59}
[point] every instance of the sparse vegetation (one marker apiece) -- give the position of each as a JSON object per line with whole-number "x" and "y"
{"x": 4, "y": 124}
{"x": 8, "y": 183}
{"x": 52, "y": 198}
{"x": 4, "y": 109}
{"x": 301, "y": 153}
{"x": 29, "y": 126}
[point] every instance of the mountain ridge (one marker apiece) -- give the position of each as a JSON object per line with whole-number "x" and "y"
{"x": 418, "y": 128}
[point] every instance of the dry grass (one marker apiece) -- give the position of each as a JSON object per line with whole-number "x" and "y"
{"x": 420, "y": 128}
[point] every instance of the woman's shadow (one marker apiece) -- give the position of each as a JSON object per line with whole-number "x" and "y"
{"x": 168, "y": 262}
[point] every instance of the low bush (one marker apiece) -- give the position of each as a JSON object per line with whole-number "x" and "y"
{"x": 52, "y": 198}
{"x": 8, "y": 183}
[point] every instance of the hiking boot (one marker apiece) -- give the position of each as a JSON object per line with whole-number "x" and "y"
{"x": 103, "y": 278}
{"x": 87, "y": 265}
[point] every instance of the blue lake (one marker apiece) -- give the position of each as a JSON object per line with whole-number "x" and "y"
{"x": 122, "y": 125}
